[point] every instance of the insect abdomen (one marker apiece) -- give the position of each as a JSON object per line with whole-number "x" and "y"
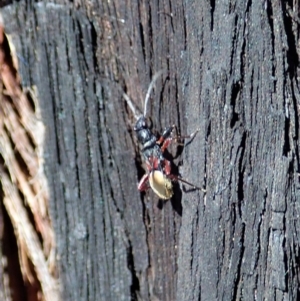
{"x": 160, "y": 184}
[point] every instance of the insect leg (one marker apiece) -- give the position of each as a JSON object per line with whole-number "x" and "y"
{"x": 166, "y": 144}
{"x": 167, "y": 167}
{"x": 178, "y": 137}
{"x": 176, "y": 178}
{"x": 166, "y": 140}
{"x": 144, "y": 184}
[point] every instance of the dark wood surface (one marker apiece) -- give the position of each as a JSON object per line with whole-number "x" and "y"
{"x": 231, "y": 70}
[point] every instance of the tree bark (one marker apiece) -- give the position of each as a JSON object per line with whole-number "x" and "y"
{"x": 231, "y": 70}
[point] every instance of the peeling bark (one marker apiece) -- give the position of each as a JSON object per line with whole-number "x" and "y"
{"x": 24, "y": 191}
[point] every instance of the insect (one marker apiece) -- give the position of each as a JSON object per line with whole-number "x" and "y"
{"x": 158, "y": 175}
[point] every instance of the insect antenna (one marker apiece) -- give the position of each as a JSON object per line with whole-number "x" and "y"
{"x": 155, "y": 77}
{"x": 136, "y": 114}
{"x": 131, "y": 106}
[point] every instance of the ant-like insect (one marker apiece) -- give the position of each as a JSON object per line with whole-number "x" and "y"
{"x": 158, "y": 174}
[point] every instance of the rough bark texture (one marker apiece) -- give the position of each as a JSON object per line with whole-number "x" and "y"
{"x": 231, "y": 70}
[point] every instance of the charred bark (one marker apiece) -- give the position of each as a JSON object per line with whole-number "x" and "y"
{"x": 231, "y": 70}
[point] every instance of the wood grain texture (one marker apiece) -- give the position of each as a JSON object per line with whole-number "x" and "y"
{"x": 232, "y": 71}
